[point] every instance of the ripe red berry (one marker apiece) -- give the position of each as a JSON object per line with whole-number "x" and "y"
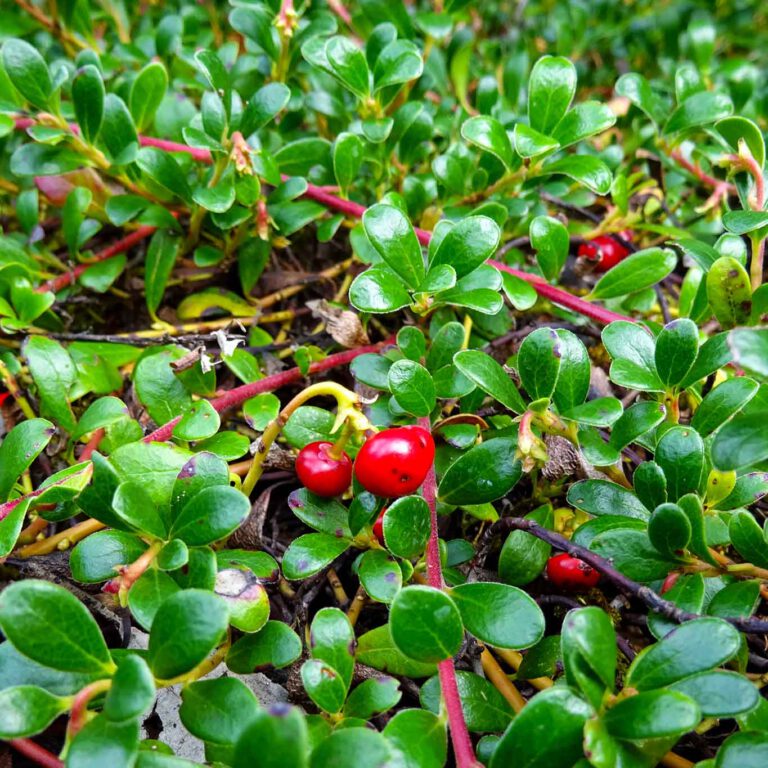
{"x": 321, "y": 473}
{"x": 378, "y": 527}
{"x": 570, "y": 573}
{"x": 395, "y": 462}
{"x": 604, "y": 252}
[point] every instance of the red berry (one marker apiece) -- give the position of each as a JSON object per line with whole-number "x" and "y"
{"x": 4, "y": 396}
{"x": 321, "y": 473}
{"x": 395, "y": 462}
{"x": 378, "y": 527}
{"x": 604, "y": 252}
{"x": 570, "y": 573}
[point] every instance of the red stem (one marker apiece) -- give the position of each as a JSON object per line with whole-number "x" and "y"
{"x": 124, "y": 244}
{"x": 92, "y": 445}
{"x": 355, "y": 210}
{"x": 36, "y": 753}
{"x": 462, "y": 744}
{"x": 240, "y": 394}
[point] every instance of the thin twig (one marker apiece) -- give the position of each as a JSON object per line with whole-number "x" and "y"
{"x": 646, "y": 594}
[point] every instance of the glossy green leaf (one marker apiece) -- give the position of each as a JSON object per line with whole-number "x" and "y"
{"x": 499, "y": 614}
{"x": 48, "y": 624}
{"x": 549, "y": 238}
{"x": 26, "y": 710}
{"x": 551, "y": 87}
{"x": 638, "y": 271}
{"x": 425, "y": 624}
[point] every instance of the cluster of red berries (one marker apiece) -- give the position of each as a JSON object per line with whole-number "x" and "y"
{"x": 392, "y": 463}
{"x": 605, "y": 251}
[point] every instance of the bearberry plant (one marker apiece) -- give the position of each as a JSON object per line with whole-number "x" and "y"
{"x": 384, "y": 384}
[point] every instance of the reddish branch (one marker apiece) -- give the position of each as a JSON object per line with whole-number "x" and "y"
{"x": 122, "y": 245}
{"x": 627, "y": 586}
{"x": 239, "y": 395}
{"x": 36, "y": 753}
{"x": 462, "y": 744}
{"x": 355, "y": 210}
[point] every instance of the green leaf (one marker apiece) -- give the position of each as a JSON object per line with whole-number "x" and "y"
{"x": 48, "y": 624}
{"x": 701, "y": 108}
{"x": 736, "y": 129}
{"x": 693, "y": 647}
{"x": 392, "y": 235}
{"x": 347, "y": 158}
{"x": 742, "y": 442}
{"x": 263, "y": 106}
{"x": 499, "y": 614}
{"x": 20, "y": 447}
{"x": 676, "y": 348}
{"x": 523, "y": 556}
{"x": 324, "y": 515}
{"x": 147, "y": 595}
{"x": 132, "y": 692}
{"x": 96, "y": 558}
{"x": 721, "y": 403}
{"x": 600, "y": 412}
{"x": 425, "y": 624}
{"x": 638, "y": 271}
{"x": 589, "y": 652}
{"x": 584, "y": 120}
{"x": 118, "y": 133}
{"x": 331, "y": 640}
{"x": 376, "y": 649}
{"x": 147, "y": 93}
{"x": 348, "y": 64}
{"x": 485, "y": 709}
{"x": 748, "y": 539}
{"x": 652, "y": 715}
{"x": 275, "y": 645}
{"x": 551, "y": 87}
{"x": 43, "y": 160}
{"x": 219, "y": 710}
{"x": 54, "y": 373}
{"x": 187, "y": 627}
{"x": 669, "y": 529}
{"x": 538, "y": 362}
{"x": 531, "y": 143}
{"x": 198, "y": 423}
{"x": 467, "y": 245}
{"x": 602, "y": 497}
{"x": 88, "y": 100}
{"x": 635, "y": 422}
{"x": 26, "y": 710}
{"x": 310, "y": 553}
{"x": 352, "y": 748}
{"x": 549, "y": 238}
{"x": 719, "y": 693}
{"x": 104, "y": 742}
{"x": 419, "y": 736}
{"x": 399, "y": 62}
{"x": 487, "y": 374}
{"x": 406, "y": 526}
{"x": 631, "y": 552}
{"x": 743, "y": 222}
{"x": 743, "y": 750}
{"x": 164, "y": 170}
{"x": 275, "y": 738}
{"x": 323, "y": 685}
{"x": 489, "y": 135}
{"x": 632, "y": 350}
{"x": 28, "y": 72}
{"x": 486, "y": 472}
{"x": 378, "y": 289}
{"x": 638, "y": 90}
{"x": 161, "y": 257}
{"x": 413, "y": 387}
{"x": 210, "y": 515}
{"x": 548, "y": 731}
{"x": 729, "y": 292}
{"x": 377, "y": 694}
{"x": 590, "y": 171}
{"x": 680, "y": 454}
